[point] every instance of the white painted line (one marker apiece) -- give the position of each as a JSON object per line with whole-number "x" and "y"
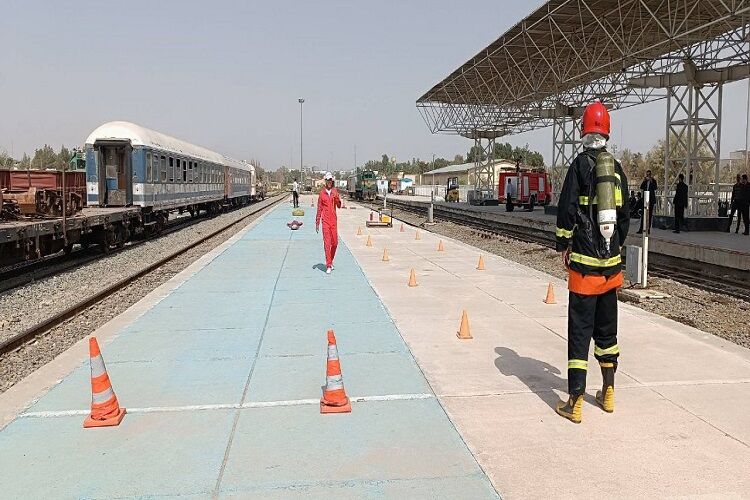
{"x": 227, "y": 406}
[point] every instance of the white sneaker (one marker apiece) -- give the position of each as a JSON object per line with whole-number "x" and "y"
{"x": 333, "y": 267}
{"x": 328, "y": 270}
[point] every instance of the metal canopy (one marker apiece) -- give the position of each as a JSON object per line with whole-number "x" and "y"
{"x": 569, "y": 53}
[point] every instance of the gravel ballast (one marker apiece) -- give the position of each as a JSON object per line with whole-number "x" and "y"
{"x": 724, "y": 316}
{"x": 26, "y": 306}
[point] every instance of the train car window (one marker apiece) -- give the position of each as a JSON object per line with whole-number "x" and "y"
{"x": 171, "y": 169}
{"x": 190, "y": 172}
{"x": 184, "y": 171}
{"x": 164, "y": 169}
{"x": 148, "y": 167}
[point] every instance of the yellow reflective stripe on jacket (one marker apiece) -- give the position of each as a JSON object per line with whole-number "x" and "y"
{"x": 580, "y": 364}
{"x": 593, "y": 261}
{"x": 584, "y": 200}
{"x": 563, "y": 233}
{"x": 609, "y": 350}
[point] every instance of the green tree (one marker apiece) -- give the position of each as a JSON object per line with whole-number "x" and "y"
{"x": 5, "y": 160}
{"x": 63, "y": 157}
{"x": 44, "y": 158}
{"x": 458, "y": 160}
{"x": 25, "y": 161}
{"x": 476, "y": 153}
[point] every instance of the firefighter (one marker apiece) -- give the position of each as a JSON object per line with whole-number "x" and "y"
{"x": 328, "y": 201}
{"x": 592, "y": 223}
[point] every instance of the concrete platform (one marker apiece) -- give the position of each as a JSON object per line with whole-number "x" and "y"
{"x": 221, "y": 372}
{"x": 714, "y": 248}
{"x": 681, "y": 425}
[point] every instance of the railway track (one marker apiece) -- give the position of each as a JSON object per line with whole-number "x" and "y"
{"x": 24, "y": 336}
{"x": 670, "y": 268}
{"x": 22, "y": 274}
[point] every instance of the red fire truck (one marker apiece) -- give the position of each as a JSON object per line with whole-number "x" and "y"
{"x": 531, "y": 187}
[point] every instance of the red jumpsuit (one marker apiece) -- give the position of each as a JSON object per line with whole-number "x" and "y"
{"x": 327, "y": 205}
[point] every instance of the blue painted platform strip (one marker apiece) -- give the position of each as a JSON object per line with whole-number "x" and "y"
{"x": 250, "y": 328}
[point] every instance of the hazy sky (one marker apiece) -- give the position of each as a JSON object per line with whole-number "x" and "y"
{"x": 227, "y": 74}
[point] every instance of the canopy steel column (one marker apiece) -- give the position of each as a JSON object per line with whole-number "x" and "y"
{"x": 485, "y": 190}
{"x": 692, "y": 147}
{"x": 565, "y": 145}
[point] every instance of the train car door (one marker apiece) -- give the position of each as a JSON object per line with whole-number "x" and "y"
{"x": 115, "y": 172}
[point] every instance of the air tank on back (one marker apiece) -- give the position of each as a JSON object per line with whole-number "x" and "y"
{"x": 605, "y": 195}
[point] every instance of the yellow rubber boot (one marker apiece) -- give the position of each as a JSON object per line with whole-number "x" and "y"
{"x": 571, "y": 409}
{"x": 606, "y": 397}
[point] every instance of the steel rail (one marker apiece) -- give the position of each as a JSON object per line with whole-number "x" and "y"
{"x": 72, "y": 311}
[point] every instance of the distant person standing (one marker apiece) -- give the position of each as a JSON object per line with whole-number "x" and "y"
{"x": 680, "y": 202}
{"x": 510, "y": 193}
{"x": 733, "y": 205}
{"x": 295, "y": 193}
{"x": 328, "y": 201}
{"x": 649, "y": 184}
{"x": 743, "y": 203}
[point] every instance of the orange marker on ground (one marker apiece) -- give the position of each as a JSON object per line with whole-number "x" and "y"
{"x": 480, "y": 265}
{"x": 412, "y": 278}
{"x": 464, "y": 333}
{"x": 334, "y": 398}
{"x": 550, "y": 299}
{"x": 441, "y": 248}
{"x": 105, "y": 410}
{"x": 369, "y": 241}
{"x": 385, "y": 255}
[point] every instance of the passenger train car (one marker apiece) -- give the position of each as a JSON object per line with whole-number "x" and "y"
{"x": 130, "y": 165}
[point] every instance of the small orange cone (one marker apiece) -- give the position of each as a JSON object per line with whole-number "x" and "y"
{"x": 402, "y": 227}
{"x": 480, "y": 265}
{"x": 334, "y": 398}
{"x": 369, "y": 241}
{"x": 550, "y": 299}
{"x": 463, "y": 331}
{"x": 441, "y": 248}
{"x": 412, "y": 278}
{"x": 417, "y": 237}
{"x": 359, "y": 231}
{"x": 385, "y": 255}
{"x": 105, "y": 410}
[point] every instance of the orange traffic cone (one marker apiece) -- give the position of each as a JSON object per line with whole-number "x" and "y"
{"x": 463, "y": 331}
{"x": 412, "y": 278}
{"x": 550, "y": 299}
{"x": 105, "y": 411}
{"x": 441, "y": 248}
{"x": 334, "y": 398}
{"x": 480, "y": 265}
{"x": 385, "y": 255}
{"x": 402, "y": 227}
{"x": 359, "y": 231}
{"x": 369, "y": 241}
{"x": 417, "y": 237}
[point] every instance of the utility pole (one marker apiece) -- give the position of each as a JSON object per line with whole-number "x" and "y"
{"x": 301, "y": 165}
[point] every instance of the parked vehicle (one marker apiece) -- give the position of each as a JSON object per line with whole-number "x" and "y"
{"x": 532, "y": 187}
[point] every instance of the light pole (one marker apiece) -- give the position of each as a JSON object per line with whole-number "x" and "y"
{"x": 301, "y": 101}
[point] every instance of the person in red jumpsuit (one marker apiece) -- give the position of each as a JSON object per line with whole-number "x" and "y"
{"x": 328, "y": 201}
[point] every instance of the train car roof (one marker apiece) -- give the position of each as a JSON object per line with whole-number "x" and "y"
{"x": 142, "y": 136}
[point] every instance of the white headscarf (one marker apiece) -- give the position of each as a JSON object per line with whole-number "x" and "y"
{"x": 594, "y": 141}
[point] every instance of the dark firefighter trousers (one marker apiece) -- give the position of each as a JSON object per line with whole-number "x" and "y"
{"x": 590, "y": 316}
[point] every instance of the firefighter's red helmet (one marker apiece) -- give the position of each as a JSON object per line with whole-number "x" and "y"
{"x": 595, "y": 119}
